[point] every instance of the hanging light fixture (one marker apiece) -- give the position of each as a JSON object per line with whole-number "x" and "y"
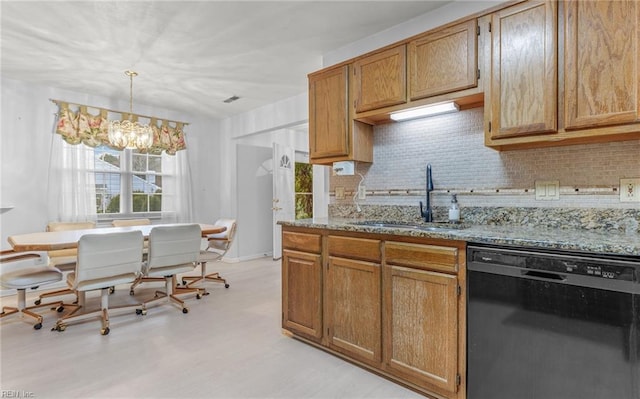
{"x": 128, "y": 132}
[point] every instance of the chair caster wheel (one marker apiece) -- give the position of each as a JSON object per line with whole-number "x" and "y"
{"x": 37, "y": 326}
{"x": 59, "y": 327}
{"x": 198, "y": 296}
{"x": 60, "y": 309}
{"x": 131, "y": 292}
{"x": 185, "y": 310}
{"x": 226, "y": 286}
{"x": 184, "y": 282}
{"x": 105, "y": 331}
{"x": 37, "y": 302}
{"x": 112, "y": 290}
{"x": 138, "y": 311}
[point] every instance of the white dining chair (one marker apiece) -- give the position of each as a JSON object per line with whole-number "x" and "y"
{"x": 217, "y": 247}
{"x": 63, "y": 259}
{"x": 22, "y": 271}
{"x": 172, "y": 250}
{"x": 104, "y": 260}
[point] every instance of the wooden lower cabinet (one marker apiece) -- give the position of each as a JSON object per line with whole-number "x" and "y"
{"x": 352, "y": 313}
{"x": 392, "y": 304}
{"x": 301, "y": 293}
{"x": 421, "y": 327}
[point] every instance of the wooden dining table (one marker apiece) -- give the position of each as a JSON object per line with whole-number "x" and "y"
{"x": 53, "y": 240}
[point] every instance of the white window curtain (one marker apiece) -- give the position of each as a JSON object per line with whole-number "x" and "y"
{"x": 177, "y": 201}
{"x": 71, "y": 193}
{"x": 71, "y": 190}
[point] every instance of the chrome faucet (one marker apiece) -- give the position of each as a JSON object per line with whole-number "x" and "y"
{"x": 427, "y": 214}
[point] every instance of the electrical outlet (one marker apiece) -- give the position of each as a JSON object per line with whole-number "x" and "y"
{"x": 340, "y": 193}
{"x": 362, "y": 192}
{"x": 547, "y": 190}
{"x": 630, "y": 190}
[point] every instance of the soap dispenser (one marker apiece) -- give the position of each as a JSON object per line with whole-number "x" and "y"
{"x": 454, "y": 210}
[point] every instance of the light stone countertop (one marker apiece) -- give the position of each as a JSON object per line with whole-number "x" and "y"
{"x": 594, "y": 241}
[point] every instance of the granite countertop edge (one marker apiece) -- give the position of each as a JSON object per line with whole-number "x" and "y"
{"x": 594, "y": 241}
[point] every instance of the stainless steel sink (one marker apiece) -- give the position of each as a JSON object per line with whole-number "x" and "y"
{"x": 433, "y": 226}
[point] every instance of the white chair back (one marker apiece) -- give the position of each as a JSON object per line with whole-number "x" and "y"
{"x": 222, "y": 241}
{"x": 102, "y": 256}
{"x": 64, "y": 226}
{"x": 130, "y": 222}
{"x": 173, "y": 245}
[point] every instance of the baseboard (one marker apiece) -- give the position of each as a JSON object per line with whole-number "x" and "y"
{"x": 247, "y": 257}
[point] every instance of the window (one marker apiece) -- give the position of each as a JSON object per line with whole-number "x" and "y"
{"x": 304, "y": 190}
{"x": 127, "y": 182}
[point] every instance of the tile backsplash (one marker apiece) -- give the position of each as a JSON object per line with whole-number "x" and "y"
{"x": 588, "y": 175}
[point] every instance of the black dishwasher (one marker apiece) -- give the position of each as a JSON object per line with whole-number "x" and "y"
{"x": 546, "y": 324}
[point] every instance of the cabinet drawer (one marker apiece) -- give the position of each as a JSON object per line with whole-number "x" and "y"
{"x": 301, "y": 241}
{"x": 355, "y": 248}
{"x": 432, "y": 257}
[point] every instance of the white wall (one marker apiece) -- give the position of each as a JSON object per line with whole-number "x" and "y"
{"x": 279, "y": 122}
{"x": 28, "y": 118}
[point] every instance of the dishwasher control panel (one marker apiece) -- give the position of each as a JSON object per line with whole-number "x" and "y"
{"x": 611, "y": 268}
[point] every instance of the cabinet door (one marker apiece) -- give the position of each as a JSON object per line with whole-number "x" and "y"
{"x": 523, "y": 87}
{"x": 301, "y": 293}
{"x": 421, "y": 326}
{"x": 380, "y": 80}
{"x": 352, "y": 300}
{"x": 328, "y": 114}
{"x": 601, "y": 63}
{"x": 443, "y": 61}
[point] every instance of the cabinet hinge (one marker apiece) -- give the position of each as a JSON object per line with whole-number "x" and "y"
{"x": 459, "y": 290}
{"x": 489, "y": 26}
{"x": 478, "y": 74}
{"x": 489, "y": 126}
{"x": 457, "y": 379}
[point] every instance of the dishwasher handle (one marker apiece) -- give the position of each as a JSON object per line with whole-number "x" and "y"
{"x": 556, "y": 277}
{"x": 518, "y": 272}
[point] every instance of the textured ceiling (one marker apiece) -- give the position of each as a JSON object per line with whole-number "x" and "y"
{"x": 190, "y": 56}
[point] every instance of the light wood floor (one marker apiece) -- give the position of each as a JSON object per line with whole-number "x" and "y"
{"x": 229, "y": 345}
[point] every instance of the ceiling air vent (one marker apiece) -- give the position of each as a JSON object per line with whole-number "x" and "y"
{"x": 231, "y": 99}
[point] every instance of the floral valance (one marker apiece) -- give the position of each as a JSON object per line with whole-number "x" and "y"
{"x": 80, "y": 126}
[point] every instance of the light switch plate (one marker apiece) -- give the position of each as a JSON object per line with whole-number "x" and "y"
{"x": 630, "y": 190}
{"x": 547, "y": 190}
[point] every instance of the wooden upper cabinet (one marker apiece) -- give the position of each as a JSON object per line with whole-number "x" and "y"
{"x": 524, "y": 69}
{"x": 379, "y": 80}
{"x": 329, "y": 113}
{"x": 443, "y": 61}
{"x": 333, "y": 133}
{"x": 601, "y": 63}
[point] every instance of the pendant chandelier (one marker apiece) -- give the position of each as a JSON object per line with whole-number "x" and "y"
{"x": 128, "y": 132}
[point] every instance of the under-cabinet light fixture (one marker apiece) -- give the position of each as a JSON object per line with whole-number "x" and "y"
{"x": 430, "y": 110}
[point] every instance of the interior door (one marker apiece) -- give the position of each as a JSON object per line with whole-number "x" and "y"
{"x": 283, "y": 192}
